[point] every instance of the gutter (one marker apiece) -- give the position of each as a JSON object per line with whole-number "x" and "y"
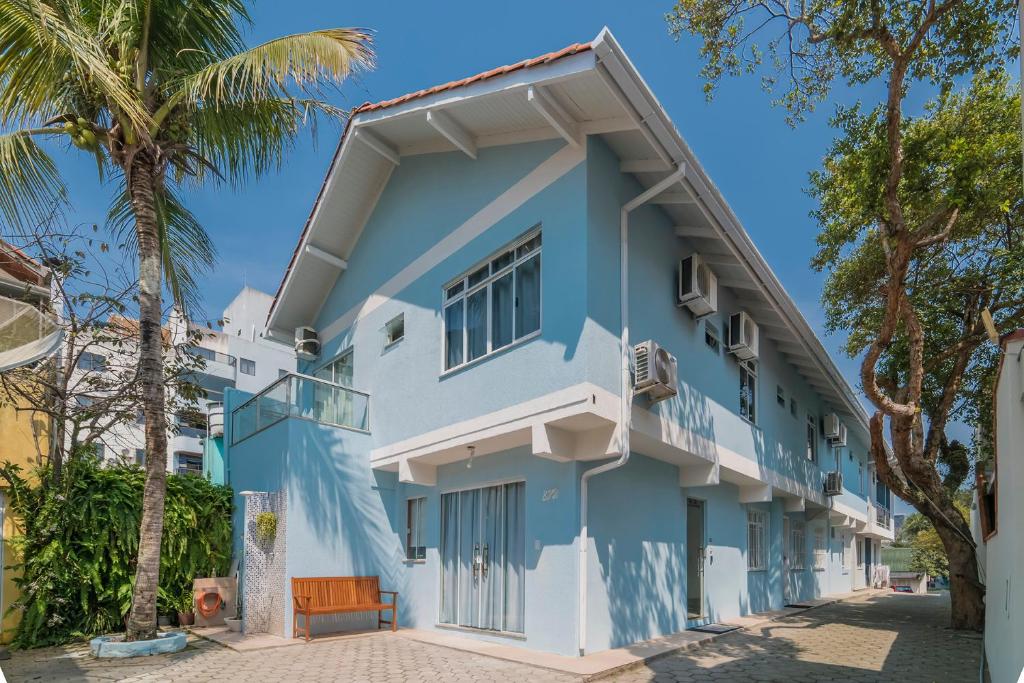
{"x": 625, "y": 388}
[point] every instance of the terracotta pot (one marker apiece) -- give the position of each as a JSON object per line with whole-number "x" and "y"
{"x": 186, "y": 618}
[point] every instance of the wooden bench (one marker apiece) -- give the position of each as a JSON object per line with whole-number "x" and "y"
{"x": 339, "y": 594}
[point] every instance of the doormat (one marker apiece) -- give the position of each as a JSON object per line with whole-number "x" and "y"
{"x": 715, "y": 628}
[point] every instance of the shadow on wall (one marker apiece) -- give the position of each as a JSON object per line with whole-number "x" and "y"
{"x": 341, "y": 514}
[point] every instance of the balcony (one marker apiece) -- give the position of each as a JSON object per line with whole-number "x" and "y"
{"x": 882, "y": 517}
{"x": 218, "y": 371}
{"x": 305, "y": 398}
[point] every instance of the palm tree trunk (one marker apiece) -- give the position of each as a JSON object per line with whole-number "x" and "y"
{"x": 142, "y": 622}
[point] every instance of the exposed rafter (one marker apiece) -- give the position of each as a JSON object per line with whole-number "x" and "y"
{"x": 553, "y": 113}
{"x": 738, "y": 283}
{"x": 378, "y": 145}
{"x": 674, "y": 198}
{"x": 452, "y": 131}
{"x": 327, "y": 257}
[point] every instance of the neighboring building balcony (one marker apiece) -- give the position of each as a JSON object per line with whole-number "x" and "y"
{"x": 879, "y": 522}
{"x": 219, "y": 371}
{"x": 304, "y": 398}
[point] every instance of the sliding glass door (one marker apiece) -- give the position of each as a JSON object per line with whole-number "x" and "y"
{"x": 482, "y": 558}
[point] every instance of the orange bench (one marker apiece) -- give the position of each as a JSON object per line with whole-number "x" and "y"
{"x": 339, "y": 594}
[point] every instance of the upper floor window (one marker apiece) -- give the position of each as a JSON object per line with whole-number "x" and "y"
{"x": 748, "y": 391}
{"x": 338, "y": 370}
{"x": 757, "y": 537}
{"x": 246, "y": 366}
{"x": 92, "y": 361}
{"x": 780, "y": 395}
{"x": 712, "y": 336}
{"x": 812, "y": 438}
{"x": 394, "y": 331}
{"x": 415, "y": 547}
{"x": 495, "y": 304}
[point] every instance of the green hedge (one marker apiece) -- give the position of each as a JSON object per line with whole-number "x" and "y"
{"x": 78, "y": 551}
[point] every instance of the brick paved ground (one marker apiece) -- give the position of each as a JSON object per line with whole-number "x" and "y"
{"x": 885, "y": 638}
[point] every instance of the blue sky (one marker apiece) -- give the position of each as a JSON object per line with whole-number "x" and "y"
{"x": 759, "y": 163}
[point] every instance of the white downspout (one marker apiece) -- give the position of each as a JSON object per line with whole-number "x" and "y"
{"x": 625, "y": 387}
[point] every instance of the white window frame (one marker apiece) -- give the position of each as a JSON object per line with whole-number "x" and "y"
{"x": 797, "y": 545}
{"x": 243, "y": 362}
{"x": 820, "y": 550}
{"x": 486, "y": 283}
{"x": 396, "y": 323}
{"x": 712, "y": 337}
{"x": 757, "y": 540}
{"x": 415, "y": 520}
{"x": 811, "y": 437}
{"x": 332, "y": 364}
{"x": 748, "y": 369}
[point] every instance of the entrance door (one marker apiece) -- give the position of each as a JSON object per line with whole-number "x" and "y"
{"x": 786, "y": 549}
{"x": 483, "y": 558}
{"x": 695, "y": 554}
{"x": 867, "y": 562}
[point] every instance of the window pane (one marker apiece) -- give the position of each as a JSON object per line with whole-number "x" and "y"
{"x": 455, "y": 289}
{"x": 528, "y": 297}
{"x": 527, "y": 247}
{"x": 453, "y": 325}
{"x": 502, "y": 261}
{"x": 476, "y": 324}
{"x": 501, "y": 312}
{"x": 478, "y": 276}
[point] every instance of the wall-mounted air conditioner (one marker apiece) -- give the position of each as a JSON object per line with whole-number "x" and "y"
{"x": 743, "y": 336}
{"x": 840, "y": 440}
{"x": 307, "y": 343}
{"x": 833, "y": 483}
{"x": 698, "y": 286}
{"x": 656, "y": 371}
{"x": 830, "y": 426}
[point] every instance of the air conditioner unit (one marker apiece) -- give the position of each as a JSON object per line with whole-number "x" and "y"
{"x": 307, "y": 343}
{"x": 839, "y": 440}
{"x": 698, "y": 286}
{"x": 830, "y": 426}
{"x": 833, "y": 483}
{"x": 742, "y": 336}
{"x": 656, "y": 372}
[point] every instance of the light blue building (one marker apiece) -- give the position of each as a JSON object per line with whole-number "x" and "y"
{"x": 463, "y": 411}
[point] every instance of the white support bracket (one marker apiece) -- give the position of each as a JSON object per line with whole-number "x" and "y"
{"x": 378, "y": 145}
{"x": 411, "y": 472}
{"x": 552, "y": 443}
{"x": 795, "y": 505}
{"x": 553, "y": 113}
{"x": 699, "y": 475}
{"x": 452, "y": 131}
{"x": 326, "y": 257}
{"x": 759, "y": 493}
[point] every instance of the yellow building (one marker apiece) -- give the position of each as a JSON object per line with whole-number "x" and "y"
{"x": 24, "y": 433}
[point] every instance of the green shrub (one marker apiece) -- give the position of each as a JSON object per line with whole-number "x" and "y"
{"x": 78, "y": 551}
{"x": 266, "y": 525}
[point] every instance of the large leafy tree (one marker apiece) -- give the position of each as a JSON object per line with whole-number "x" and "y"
{"x": 905, "y": 208}
{"x": 166, "y": 96}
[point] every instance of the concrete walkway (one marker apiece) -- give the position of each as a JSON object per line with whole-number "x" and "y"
{"x": 870, "y": 637}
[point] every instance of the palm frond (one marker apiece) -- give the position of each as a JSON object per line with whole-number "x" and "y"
{"x": 188, "y": 251}
{"x": 254, "y": 137}
{"x": 306, "y": 61}
{"x": 30, "y": 186}
{"x": 41, "y": 45}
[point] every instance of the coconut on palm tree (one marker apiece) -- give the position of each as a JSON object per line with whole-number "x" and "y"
{"x": 165, "y": 96}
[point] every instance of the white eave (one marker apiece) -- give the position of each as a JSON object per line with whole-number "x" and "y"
{"x": 591, "y": 92}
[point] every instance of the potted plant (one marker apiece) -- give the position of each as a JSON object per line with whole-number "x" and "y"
{"x": 186, "y": 609}
{"x": 266, "y": 525}
{"x": 234, "y": 623}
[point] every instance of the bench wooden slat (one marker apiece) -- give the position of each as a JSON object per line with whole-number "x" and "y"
{"x": 341, "y": 594}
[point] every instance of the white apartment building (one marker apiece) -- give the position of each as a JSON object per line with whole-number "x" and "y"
{"x": 237, "y": 356}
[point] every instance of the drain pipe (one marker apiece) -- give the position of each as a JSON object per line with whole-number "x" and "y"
{"x": 625, "y": 387}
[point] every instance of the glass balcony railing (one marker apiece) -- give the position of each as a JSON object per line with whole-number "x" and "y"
{"x": 303, "y": 397}
{"x": 211, "y": 355}
{"x": 883, "y": 517}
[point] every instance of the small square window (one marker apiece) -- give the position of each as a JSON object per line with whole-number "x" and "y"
{"x": 780, "y": 395}
{"x": 792, "y": 406}
{"x": 394, "y": 331}
{"x": 711, "y": 337}
{"x": 246, "y": 366}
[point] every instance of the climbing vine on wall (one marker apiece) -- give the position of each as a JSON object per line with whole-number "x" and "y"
{"x": 77, "y": 551}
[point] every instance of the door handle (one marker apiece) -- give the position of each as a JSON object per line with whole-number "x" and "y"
{"x": 483, "y": 567}
{"x": 476, "y": 559}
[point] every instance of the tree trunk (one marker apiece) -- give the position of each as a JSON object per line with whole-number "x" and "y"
{"x": 966, "y": 592}
{"x": 142, "y": 620}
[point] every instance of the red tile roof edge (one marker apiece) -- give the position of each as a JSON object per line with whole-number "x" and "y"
{"x": 567, "y": 51}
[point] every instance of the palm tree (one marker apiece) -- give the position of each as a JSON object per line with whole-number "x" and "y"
{"x": 165, "y": 96}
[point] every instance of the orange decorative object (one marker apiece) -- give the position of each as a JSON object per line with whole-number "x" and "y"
{"x": 205, "y": 606}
